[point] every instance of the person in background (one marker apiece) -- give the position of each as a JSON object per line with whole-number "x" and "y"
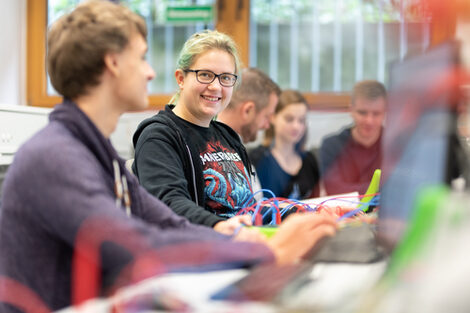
{"x": 252, "y": 104}
{"x": 196, "y": 165}
{"x": 283, "y": 166}
{"x": 73, "y": 219}
{"x": 250, "y": 110}
{"x": 349, "y": 158}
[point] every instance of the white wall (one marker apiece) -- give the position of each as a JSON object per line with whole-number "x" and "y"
{"x": 12, "y": 51}
{"x": 122, "y": 135}
{"x": 19, "y": 123}
{"x": 321, "y": 123}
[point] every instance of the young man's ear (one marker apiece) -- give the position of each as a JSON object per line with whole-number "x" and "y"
{"x": 111, "y": 61}
{"x": 248, "y": 109}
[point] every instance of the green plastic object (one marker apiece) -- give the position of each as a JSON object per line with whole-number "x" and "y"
{"x": 266, "y": 230}
{"x": 371, "y": 190}
{"x": 427, "y": 205}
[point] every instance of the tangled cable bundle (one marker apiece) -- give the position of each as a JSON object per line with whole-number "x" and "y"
{"x": 271, "y": 211}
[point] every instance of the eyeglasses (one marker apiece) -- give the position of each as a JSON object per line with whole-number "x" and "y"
{"x": 207, "y": 77}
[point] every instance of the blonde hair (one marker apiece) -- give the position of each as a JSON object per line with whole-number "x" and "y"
{"x": 368, "y": 89}
{"x": 204, "y": 41}
{"x": 77, "y": 43}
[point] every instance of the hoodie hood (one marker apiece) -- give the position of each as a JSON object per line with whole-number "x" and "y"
{"x": 165, "y": 118}
{"x": 142, "y": 126}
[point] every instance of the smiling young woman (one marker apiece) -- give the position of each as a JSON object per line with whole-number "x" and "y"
{"x": 196, "y": 165}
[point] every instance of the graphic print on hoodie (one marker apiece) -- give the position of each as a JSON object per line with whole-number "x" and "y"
{"x": 227, "y": 188}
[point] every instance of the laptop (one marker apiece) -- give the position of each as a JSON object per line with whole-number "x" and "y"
{"x": 420, "y": 148}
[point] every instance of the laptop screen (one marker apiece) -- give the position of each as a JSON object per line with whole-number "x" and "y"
{"x": 419, "y": 126}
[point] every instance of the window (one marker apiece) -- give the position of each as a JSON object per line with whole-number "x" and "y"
{"x": 164, "y": 40}
{"x": 320, "y": 47}
{"x": 328, "y": 45}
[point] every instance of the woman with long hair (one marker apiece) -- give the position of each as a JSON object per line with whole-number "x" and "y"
{"x": 283, "y": 165}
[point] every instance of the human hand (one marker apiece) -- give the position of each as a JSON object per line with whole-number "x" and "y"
{"x": 228, "y": 227}
{"x": 354, "y": 214}
{"x": 298, "y": 234}
{"x": 250, "y": 234}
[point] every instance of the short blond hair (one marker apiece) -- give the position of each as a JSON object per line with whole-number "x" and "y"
{"x": 78, "y": 42}
{"x": 368, "y": 89}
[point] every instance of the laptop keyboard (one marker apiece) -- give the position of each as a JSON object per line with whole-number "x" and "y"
{"x": 354, "y": 243}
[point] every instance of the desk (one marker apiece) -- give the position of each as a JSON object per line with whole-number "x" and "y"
{"x": 337, "y": 287}
{"x": 334, "y": 287}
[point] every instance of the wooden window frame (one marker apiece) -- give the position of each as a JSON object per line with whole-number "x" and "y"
{"x": 236, "y": 25}
{"x": 233, "y": 19}
{"x": 36, "y": 81}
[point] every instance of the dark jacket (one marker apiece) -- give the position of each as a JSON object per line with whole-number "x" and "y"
{"x": 169, "y": 168}
{"x": 332, "y": 145}
{"x": 303, "y": 185}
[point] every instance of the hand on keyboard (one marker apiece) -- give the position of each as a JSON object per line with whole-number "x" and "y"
{"x": 298, "y": 234}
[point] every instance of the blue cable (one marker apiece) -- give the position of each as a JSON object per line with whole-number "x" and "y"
{"x": 359, "y": 209}
{"x": 350, "y": 213}
{"x": 271, "y": 209}
{"x": 257, "y": 208}
{"x": 275, "y": 203}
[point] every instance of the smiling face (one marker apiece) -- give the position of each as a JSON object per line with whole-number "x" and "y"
{"x": 199, "y": 103}
{"x": 368, "y": 116}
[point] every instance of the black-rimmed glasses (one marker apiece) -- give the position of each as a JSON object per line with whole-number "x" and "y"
{"x": 207, "y": 77}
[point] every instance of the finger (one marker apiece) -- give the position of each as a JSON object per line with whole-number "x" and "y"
{"x": 309, "y": 220}
{"x": 321, "y": 231}
{"x": 251, "y": 235}
{"x": 315, "y": 237}
{"x": 329, "y": 213}
{"x": 234, "y": 221}
{"x": 245, "y": 219}
{"x": 224, "y": 227}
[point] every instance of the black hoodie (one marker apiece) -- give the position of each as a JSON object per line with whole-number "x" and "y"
{"x": 168, "y": 166}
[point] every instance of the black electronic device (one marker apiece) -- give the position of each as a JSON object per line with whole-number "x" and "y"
{"x": 353, "y": 243}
